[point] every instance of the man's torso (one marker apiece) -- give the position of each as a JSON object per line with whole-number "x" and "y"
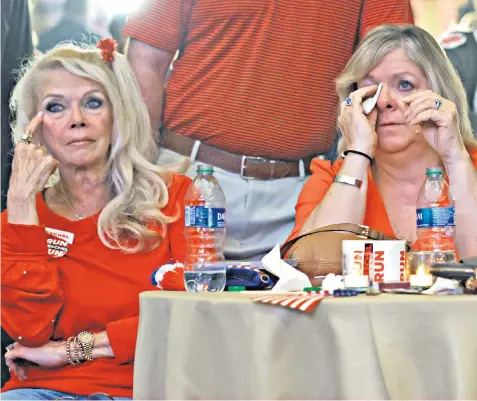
{"x": 257, "y": 77}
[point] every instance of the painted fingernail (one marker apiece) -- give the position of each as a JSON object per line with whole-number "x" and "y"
{"x": 40, "y": 114}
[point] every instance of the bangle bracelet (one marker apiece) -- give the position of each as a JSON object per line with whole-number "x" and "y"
{"x": 75, "y": 348}
{"x": 358, "y": 153}
{"x": 68, "y": 352}
{"x": 346, "y": 179}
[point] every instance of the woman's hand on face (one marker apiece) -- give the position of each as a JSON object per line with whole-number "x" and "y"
{"x": 439, "y": 124}
{"x": 50, "y": 355}
{"x": 358, "y": 129}
{"x": 32, "y": 167}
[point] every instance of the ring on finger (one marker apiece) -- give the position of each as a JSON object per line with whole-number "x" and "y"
{"x": 348, "y": 101}
{"x": 27, "y": 137}
{"x": 10, "y": 347}
{"x": 438, "y": 103}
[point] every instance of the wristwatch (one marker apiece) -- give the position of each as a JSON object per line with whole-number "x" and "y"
{"x": 86, "y": 340}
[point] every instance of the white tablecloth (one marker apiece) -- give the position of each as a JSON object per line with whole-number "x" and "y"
{"x": 224, "y": 346}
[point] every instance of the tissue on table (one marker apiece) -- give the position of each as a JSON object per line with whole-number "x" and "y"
{"x": 332, "y": 282}
{"x": 444, "y": 286}
{"x": 289, "y": 278}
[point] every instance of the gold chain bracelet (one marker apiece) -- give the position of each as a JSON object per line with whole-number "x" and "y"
{"x": 68, "y": 352}
{"x": 75, "y": 349}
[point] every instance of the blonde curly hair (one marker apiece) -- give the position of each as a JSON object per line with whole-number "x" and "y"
{"x": 137, "y": 185}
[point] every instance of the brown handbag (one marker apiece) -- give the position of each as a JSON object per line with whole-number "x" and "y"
{"x": 318, "y": 252}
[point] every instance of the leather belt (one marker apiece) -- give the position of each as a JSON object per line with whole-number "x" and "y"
{"x": 249, "y": 167}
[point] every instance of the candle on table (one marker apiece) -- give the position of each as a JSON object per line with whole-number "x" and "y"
{"x": 421, "y": 278}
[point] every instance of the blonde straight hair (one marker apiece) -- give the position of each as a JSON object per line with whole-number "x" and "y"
{"x": 423, "y": 50}
{"x": 135, "y": 183}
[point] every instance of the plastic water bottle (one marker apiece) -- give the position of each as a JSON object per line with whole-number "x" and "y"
{"x": 205, "y": 233}
{"x": 435, "y": 216}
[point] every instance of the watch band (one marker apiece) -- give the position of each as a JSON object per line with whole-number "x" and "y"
{"x": 346, "y": 179}
{"x": 86, "y": 341}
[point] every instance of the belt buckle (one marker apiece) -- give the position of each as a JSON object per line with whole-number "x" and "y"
{"x": 243, "y": 166}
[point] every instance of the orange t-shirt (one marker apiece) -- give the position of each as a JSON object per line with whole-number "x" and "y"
{"x": 315, "y": 189}
{"x": 90, "y": 287}
{"x": 257, "y": 77}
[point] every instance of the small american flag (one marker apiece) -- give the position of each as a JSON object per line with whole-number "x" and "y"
{"x": 301, "y": 302}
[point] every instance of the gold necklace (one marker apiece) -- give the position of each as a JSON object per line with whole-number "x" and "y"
{"x": 70, "y": 204}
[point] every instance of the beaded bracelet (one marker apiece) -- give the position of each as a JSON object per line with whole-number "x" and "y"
{"x": 75, "y": 349}
{"x": 68, "y": 352}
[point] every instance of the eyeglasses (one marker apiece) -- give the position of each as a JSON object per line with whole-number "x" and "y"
{"x": 94, "y": 396}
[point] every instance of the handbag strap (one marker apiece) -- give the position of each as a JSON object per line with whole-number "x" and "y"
{"x": 359, "y": 230}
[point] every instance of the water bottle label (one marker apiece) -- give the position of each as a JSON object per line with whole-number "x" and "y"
{"x": 435, "y": 217}
{"x": 204, "y": 217}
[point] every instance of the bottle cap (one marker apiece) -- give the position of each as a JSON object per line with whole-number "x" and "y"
{"x": 205, "y": 168}
{"x": 434, "y": 171}
{"x": 236, "y": 288}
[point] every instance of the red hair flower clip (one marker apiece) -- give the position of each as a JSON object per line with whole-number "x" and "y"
{"x": 108, "y": 46}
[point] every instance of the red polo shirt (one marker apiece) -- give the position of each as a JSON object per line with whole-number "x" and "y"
{"x": 256, "y": 77}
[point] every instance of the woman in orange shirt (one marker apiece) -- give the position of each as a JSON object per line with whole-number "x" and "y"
{"x": 420, "y": 120}
{"x": 76, "y": 255}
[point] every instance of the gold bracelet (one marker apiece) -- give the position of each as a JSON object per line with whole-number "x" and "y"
{"x": 75, "y": 348}
{"x": 68, "y": 352}
{"x": 87, "y": 354}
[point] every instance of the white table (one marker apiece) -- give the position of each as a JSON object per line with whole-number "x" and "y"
{"x": 224, "y": 346}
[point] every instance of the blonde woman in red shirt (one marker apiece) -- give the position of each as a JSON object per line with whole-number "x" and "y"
{"x": 420, "y": 120}
{"x": 89, "y": 217}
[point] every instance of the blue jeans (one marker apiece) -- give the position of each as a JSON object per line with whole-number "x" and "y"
{"x": 45, "y": 394}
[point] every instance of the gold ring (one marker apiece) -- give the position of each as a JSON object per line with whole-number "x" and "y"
{"x": 27, "y": 137}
